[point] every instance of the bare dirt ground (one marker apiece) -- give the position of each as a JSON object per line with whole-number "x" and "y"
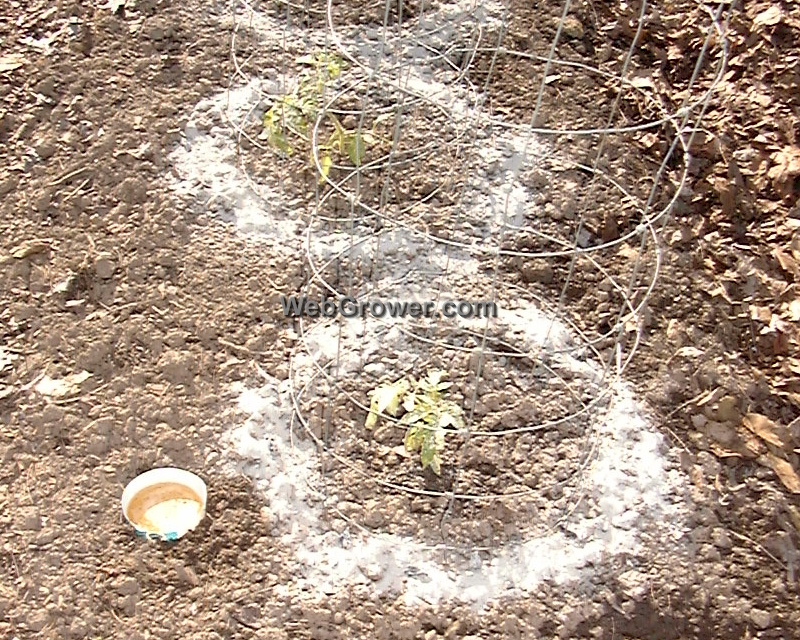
{"x": 105, "y": 270}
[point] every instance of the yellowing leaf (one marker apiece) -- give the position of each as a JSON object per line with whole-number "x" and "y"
{"x": 276, "y": 138}
{"x": 385, "y": 399}
{"x": 448, "y": 420}
{"x": 325, "y": 163}
{"x": 413, "y": 439}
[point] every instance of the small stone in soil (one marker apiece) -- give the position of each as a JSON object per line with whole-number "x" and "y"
{"x": 104, "y": 266}
{"x": 373, "y": 571}
{"x": 760, "y": 618}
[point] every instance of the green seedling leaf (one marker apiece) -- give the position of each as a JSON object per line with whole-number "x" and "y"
{"x": 356, "y": 148}
{"x": 278, "y": 140}
{"x": 432, "y": 444}
{"x": 413, "y": 417}
{"x": 428, "y": 416}
{"x": 337, "y": 139}
{"x": 334, "y": 67}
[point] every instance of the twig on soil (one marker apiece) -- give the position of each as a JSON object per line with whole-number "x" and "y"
{"x": 68, "y": 176}
{"x": 16, "y": 566}
{"x": 120, "y": 309}
{"x": 681, "y": 442}
{"x": 236, "y": 347}
{"x": 28, "y": 472}
{"x": 30, "y": 385}
{"x": 79, "y": 397}
{"x": 115, "y": 615}
{"x": 77, "y": 189}
{"x": 254, "y": 627}
{"x": 758, "y": 546}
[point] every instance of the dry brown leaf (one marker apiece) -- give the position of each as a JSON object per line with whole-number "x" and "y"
{"x": 766, "y": 429}
{"x": 723, "y": 453}
{"x": 764, "y": 314}
{"x": 794, "y": 310}
{"x": 785, "y": 167}
{"x": 792, "y": 396}
{"x": 784, "y": 471}
{"x": 794, "y": 516}
{"x": 710, "y": 396}
{"x": 787, "y": 262}
{"x": 27, "y": 249}
{"x": 727, "y": 195}
{"x": 794, "y": 246}
{"x": 768, "y": 18}
{"x": 752, "y": 446}
{"x": 11, "y": 62}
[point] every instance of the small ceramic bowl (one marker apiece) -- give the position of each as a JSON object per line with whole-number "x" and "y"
{"x": 165, "y": 503}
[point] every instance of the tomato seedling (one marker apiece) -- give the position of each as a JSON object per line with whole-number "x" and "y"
{"x": 428, "y": 415}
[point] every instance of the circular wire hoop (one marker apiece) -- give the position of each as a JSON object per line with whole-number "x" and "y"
{"x": 527, "y": 185}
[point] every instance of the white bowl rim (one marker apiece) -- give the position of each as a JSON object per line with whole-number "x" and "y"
{"x": 161, "y": 475}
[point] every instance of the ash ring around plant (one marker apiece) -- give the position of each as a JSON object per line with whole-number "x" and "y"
{"x": 346, "y": 307}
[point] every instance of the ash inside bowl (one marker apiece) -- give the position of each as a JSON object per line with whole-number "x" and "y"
{"x": 165, "y": 508}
